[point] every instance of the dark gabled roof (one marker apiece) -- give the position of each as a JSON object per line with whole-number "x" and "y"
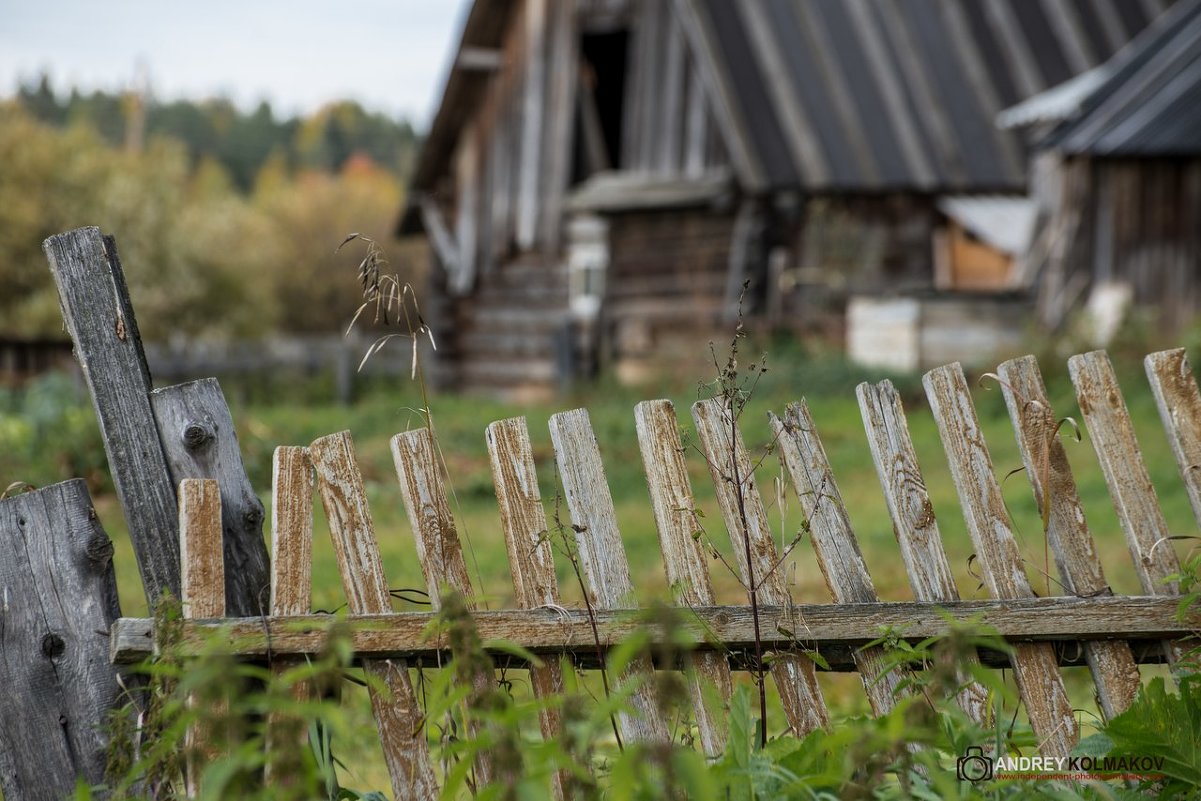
{"x": 1150, "y": 103}
{"x": 887, "y": 95}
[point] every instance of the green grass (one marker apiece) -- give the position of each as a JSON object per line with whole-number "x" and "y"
{"x": 827, "y": 383}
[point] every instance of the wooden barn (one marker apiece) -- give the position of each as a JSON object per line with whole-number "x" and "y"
{"x": 1119, "y": 179}
{"x": 602, "y": 176}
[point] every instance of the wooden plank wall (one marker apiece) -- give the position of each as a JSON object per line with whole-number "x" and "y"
{"x": 1125, "y": 220}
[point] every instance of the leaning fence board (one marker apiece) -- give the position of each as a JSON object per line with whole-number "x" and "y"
{"x": 438, "y": 546}
{"x": 1111, "y": 663}
{"x": 202, "y": 592}
{"x": 1179, "y": 403}
{"x": 1130, "y": 489}
{"x": 674, "y": 508}
{"x": 839, "y": 629}
{"x": 198, "y": 438}
{"x": 99, "y": 317}
{"x": 803, "y": 457}
{"x": 1035, "y": 666}
{"x": 59, "y": 598}
{"x": 397, "y": 714}
{"x": 913, "y": 520}
{"x": 601, "y": 555}
{"x": 759, "y": 565}
{"x": 531, "y": 563}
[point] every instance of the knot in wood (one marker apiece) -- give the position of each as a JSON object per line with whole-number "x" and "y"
{"x": 197, "y": 435}
{"x": 253, "y": 517}
{"x": 53, "y": 645}
{"x": 99, "y": 548}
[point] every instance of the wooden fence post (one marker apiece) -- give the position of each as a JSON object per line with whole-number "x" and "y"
{"x": 58, "y": 598}
{"x": 198, "y": 438}
{"x": 99, "y": 317}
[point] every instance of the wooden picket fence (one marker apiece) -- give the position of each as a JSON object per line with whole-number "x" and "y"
{"x": 194, "y": 485}
{"x": 387, "y": 642}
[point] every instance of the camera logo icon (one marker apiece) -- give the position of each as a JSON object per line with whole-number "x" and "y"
{"x": 974, "y": 765}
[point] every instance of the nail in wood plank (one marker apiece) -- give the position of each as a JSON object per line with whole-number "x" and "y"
{"x": 721, "y": 442}
{"x": 674, "y": 507}
{"x": 438, "y": 546}
{"x": 397, "y": 715}
{"x": 601, "y": 554}
{"x": 58, "y": 600}
{"x": 804, "y": 459}
{"x": 1111, "y": 663}
{"x": 1034, "y": 664}
{"x": 199, "y": 440}
{"x": 913, "y": 521}
{"x": 203, "y": 596}
{"x": 99, "y": 317}
{"x": 1112, "y": 433}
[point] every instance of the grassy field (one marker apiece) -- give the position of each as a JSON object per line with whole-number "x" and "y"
{"x": 828, "y": 385}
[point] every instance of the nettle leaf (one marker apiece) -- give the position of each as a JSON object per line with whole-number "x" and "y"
{"x": 1160, "y": 724}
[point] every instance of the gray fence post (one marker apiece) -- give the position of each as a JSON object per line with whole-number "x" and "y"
{"x": 58, "y": 598}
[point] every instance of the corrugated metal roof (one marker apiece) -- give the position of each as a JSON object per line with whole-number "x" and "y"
{"x": 1057, "y": 103}
{"x": 888, "y": 95}
{"x": 1150, "y": 105}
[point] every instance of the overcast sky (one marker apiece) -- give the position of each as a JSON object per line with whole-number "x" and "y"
{"x": 390, "y": 55}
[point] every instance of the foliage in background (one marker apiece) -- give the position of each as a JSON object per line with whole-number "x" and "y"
{"x": 242, "y": 142}
{"x": 202, "y": 257}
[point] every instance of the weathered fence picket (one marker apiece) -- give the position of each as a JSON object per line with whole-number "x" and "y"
{"x": 1112, "y": 433}
{"x": 1114, "y": 671}
{"x": 1179, "y": 403}
{"x": 58, "y": 599}
{"x": 397, "y": 715}
{"x": 437, "y": 539}
{"x": 199, "y": 441}
{"x": 601, "y": 555}
{"x": 674, "y": 508}
{"x": 1034, "y": 664}
{"x": 829, "y": 528}
{"x": 757, "y": 560}
{"x": 913, "y": 520}
{"x": 202, "y": 593}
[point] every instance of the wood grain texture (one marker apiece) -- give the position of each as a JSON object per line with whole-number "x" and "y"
{"x": 291, "y": 592}
{"x": 531, "y": 562}
{"x": 1112, "y": 433}
{"x": 397, "y": 715}
{"x": 203, "y": 596}
{"x": 838, "y": 629}
{"x": 58, "y": 599}
{"x": 1114, "y": 672}
{"x": 438, "y": 546}
{"x": 201, "y": 556}
{"x": 734, "y": 483}
{"x": 199, "y": 440}
{"x": 803, "y": 457}
{"x": 1179, "y": 403}
{"x": 1035, "y": 667}
{"x": 913, "y": 520}
{"x": 291, "y": 531}
{"x": 602, "y": 557}
{"x": 674, "y": 507}
{"x": 98, "y": 314}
